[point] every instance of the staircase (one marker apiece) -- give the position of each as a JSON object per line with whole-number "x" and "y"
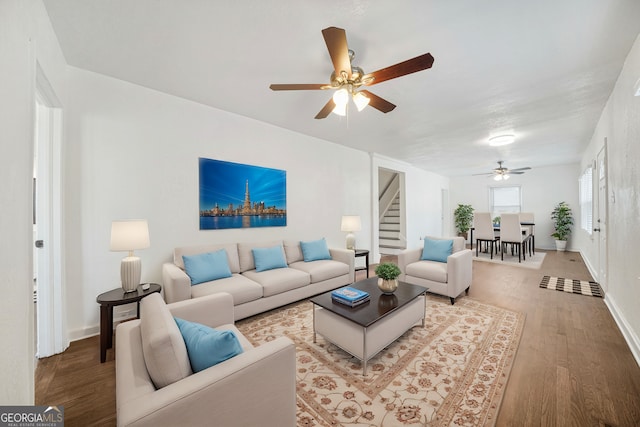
{"x": 391, "y": 241}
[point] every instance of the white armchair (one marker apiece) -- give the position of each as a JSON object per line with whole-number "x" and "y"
{"x": 256, "y": 387}
{"x": 448, "y": 279}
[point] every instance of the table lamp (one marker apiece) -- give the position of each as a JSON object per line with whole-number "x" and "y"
{"x": 127, "y": 236}
{"x": 351, "y": 223}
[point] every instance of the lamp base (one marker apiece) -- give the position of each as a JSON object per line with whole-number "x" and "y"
{"x": 130, "y": 270}
{"x": 351, "y": 241}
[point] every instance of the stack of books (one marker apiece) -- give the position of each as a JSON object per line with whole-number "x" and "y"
{"x": 350, "y": 296}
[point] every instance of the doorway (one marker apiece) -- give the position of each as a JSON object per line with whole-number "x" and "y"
{"x": 51, "y": 336}
{"x": 391, "y": 213}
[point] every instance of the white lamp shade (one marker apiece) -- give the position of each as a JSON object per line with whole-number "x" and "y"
{"x": 351, "y": 223}
{"x": 361, "y": 100}
{"x": 129, "y": 235}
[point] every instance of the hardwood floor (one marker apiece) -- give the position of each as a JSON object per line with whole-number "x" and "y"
{"x": 573, "y": 367}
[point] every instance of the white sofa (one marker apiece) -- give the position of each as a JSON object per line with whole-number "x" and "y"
{"x": 448, "y": 279}
{"x": 255, "y": 292}
{"x": 254, "y": 388}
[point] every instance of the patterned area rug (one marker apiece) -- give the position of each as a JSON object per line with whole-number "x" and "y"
{"x": 451, "y": 372}
{"x": 583, "y": 287}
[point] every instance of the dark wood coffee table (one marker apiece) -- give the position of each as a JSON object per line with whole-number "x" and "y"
{"x": 363, "y": 331}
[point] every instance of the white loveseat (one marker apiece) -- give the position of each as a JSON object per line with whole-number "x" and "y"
{"x": 448, "y": 278}
{"x": 155, "y": 385}
{"x": 254, "y": 292}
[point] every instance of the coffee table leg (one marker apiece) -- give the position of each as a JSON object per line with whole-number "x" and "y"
{"x": 314, "y": 323}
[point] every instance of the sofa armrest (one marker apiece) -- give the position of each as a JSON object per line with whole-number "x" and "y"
{"x": 263, "y": 378}
{"x": 406, "y": 257}
{"x": 175, "y": 283}
{"x": 346, "y": 256}
{"x": 459, "y": 269}
{"x": 211, "y": 310}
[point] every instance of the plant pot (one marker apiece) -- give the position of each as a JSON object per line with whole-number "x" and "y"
{"x": 561, "y": 245}
{"x": 388, "y": 287}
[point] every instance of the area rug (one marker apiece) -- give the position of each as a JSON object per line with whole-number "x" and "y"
{"x": 583, "y": 287}
{"x": 534, "y": 261}
{"x": 452, "y": 372}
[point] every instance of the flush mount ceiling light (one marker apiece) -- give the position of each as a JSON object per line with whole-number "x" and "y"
{"x": 497, "y": 141}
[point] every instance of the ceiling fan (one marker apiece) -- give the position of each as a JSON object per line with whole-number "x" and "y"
{"x": 347, "y": 79}
{"x": 501, "y": 173}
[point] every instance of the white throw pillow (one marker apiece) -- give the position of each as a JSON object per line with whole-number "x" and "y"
{"x": 165, "y": 353}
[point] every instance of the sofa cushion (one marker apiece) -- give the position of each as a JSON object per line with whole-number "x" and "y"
{"x": 436, "y": 250}
{"x": 207, "y": 266}
{"x": 241, "y": 289}
{"x": 269, "y": 258}
{"x": 322, "y": 269}
{"x": 231, "y": 248}
{"x": 245, "y": 253}
{"x": 206, "y": 346}
{"x": 279, "y": 280}
{"x": 293, "y": 251}
{"x": 429, "y": 270}
{"x": 165, "y": 353}
{"x": 315, "y": 250}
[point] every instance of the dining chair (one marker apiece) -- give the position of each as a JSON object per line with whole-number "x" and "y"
{"x": 527, "y": 217}
{"x": 484, "y": 232}
{"x": 511, "y": 233}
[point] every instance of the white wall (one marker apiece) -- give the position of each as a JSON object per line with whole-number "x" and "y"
{"x": 541, "y": 189}
{"x": 620, "y": 125}
{"x": 26, "y": 38}
{"x": 422, "y": 200}
{"x": 133, "y": 153}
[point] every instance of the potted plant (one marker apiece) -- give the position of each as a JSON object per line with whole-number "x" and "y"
{"x": 562, "y": 221}
{"x": 496, "y": 221}
{"x": 387, "y": 273}
{"x": 463, "y": 216}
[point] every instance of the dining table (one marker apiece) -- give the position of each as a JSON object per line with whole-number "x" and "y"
{"x": 532, "y": 241}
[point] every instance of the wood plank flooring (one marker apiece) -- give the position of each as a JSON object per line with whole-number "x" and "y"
{"x": 573, "y": 367}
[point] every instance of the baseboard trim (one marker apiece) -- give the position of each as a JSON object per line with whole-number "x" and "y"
{"x": 627, "y": 332}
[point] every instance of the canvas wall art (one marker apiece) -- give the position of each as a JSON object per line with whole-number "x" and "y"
{"x": 234, "y": 195}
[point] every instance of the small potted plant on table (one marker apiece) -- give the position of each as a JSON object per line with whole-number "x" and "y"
{"x": 387, "y": 273}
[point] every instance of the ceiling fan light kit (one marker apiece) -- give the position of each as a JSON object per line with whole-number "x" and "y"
{"x": 346, "y": 78}
{"x": 499, "y": 140}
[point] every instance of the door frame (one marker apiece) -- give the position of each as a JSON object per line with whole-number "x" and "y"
{"x": 601, "y": 212}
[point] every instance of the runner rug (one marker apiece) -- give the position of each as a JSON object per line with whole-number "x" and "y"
{"x": 583, "y": 287}
{"x": 451, "y": 372}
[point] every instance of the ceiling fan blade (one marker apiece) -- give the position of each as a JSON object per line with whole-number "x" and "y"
{"x": 378, "y": 103}
{"x": 478, "y": 174}
{"x": 298, "y": 86}
{"x": 519, "y": 169}
{"x": 514, "y": 173}
{"x": 409, "y": 66}
{"x": 326, "y": 110}
{"x": 336, "y": 40}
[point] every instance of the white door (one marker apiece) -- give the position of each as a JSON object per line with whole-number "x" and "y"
{"x": 600, "y": 226}
{"x": 50, "y": 313}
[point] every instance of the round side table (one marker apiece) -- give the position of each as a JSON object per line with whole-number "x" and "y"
{"x": 110, "y": 299}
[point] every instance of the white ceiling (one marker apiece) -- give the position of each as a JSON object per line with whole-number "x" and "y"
{"x": 541, "y": 69}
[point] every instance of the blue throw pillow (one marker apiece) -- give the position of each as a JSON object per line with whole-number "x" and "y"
{"x": 436, "y": 250}
{"x": 268, "y": 258}
{"x": 206, "y": 346}
{"x": 315, "y": 250}
{"x": 207, "y": 267}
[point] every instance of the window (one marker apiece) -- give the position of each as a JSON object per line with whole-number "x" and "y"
{"x": 505, "y": 200}
{"x": 586, "y": 200}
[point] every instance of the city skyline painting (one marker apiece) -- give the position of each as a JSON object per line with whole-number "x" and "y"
{"x": 235, "y": 195}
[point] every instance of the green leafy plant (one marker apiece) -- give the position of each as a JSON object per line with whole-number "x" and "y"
{"x": 496, "y": 220}
{"x": 463, "y": 216}
{"x": 562, "y": 221}
{"x": 387, "y": 271}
